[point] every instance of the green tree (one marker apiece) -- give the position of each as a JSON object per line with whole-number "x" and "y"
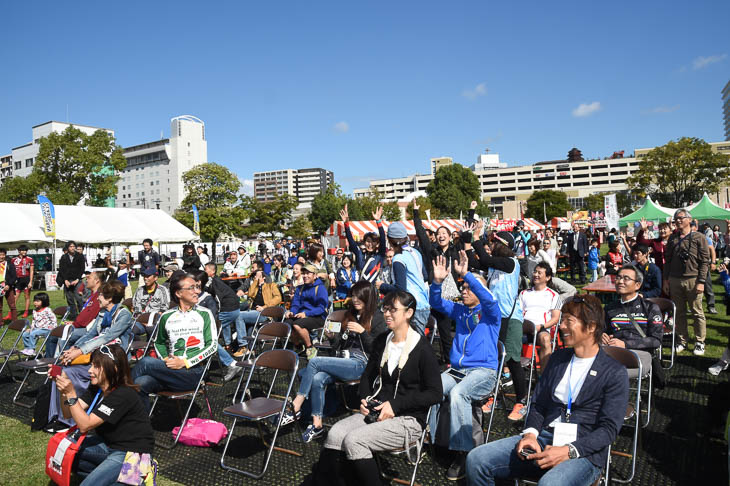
{"x": 678, "y": 172}
{"x": 300, "y": 228}
{"x": 212, "y": 188}
{"x": 626, "y": 202}
{"x": 326, "y": 208}
{"x": 362, "y": 208}
{"x": 452, "y": 190}
{"x": 267, "y": 216}
{"x": 594, "y": 202}
{"x": 72, "y": 165}
{"x": 20, "y": 190}
{"x": 548, "y": 203}
{"x": 424, "y": 203}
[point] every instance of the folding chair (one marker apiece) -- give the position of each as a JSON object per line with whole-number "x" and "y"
{"x": 61, "y": 312}
{"x": 418, "y": 445}
{"x": 269, "y": 314}
{"x": 128, "y": 304}
{"x": 38, "y": 363}
{"x": 433, "y": 327}
{"x": 5, "y": 354}
{"x": 333, "y": 316}
{"x": 631, "y": 361}
{"x": 603, "y": 479}
{"x": 669, "y": 312}
{"x": 271, "y": 332}
{"x": 497, "y": 386}
{"x": 150, "y": 329}
{"x": 261, "y": 408}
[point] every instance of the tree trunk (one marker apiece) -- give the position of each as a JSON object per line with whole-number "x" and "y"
{"x": 212, "y": 250}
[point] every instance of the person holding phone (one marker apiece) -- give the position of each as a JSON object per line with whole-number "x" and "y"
{"x": 473, "y": 354}
{"x": 576, "y": 412}
{"x": 110, "y": 407}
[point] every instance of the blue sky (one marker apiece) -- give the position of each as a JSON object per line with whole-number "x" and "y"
{"x": 371, "y": 89}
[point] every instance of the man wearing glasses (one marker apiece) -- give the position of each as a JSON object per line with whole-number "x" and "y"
{"x": 633, "y": 322}
{"x": 686, "y": 265}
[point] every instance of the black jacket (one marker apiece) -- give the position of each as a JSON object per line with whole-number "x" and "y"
{"x": 652, "y": 286}
{"x": 70, "y": 270}
{"x": 10, "y": 275}
{"x": 420, "y": 380}
{"x": 191, "y": 263}
{"x": 227, "y": 298}
{"x": 365, "y": 340}
{"x": 646, "y": 315}
{"x": 582, "y": 244}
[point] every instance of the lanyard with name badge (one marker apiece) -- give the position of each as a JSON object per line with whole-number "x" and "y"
{"x": 565, "y": 432}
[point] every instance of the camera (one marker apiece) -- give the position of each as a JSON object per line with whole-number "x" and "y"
{"x": 373, "y": 414}
{"x": 684, "y": 254}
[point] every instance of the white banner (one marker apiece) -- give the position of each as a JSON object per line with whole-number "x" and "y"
{"x": 609, "y": 204}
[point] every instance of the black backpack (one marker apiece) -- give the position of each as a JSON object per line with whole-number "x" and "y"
{"x": 42, "y": 404}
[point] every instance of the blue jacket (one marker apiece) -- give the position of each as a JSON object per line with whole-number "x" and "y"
{"x": 311, "y": 299}
{"x": 345, "y": 280}
{"x": 652, "y": 286}
{"x": 598, "y": 409}
{"x": 593, "y": 258}
{"x": 369, "y": 265}
{"x": 477, "y": 329}
{"x": 121, "y": 328}
{"x": 726, "y": 282}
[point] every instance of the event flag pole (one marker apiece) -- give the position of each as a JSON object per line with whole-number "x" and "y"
{"x": 48, "y": 213}
{"x": 196, "y": 221}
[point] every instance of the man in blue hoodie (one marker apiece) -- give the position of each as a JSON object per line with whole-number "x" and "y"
{"x": 473, "y": 354}
{"x": 308, "y": 308}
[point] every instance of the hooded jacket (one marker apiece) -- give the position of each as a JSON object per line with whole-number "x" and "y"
{"x": 311, "y": 299}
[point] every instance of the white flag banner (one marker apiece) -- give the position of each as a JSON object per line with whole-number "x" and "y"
{"x": 609, "y": 204}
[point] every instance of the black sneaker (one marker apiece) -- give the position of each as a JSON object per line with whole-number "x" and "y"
{"x": 457, "y": 470}
{"x": 55, "y": 427}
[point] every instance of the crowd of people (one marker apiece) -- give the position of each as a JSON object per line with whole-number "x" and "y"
{"x": 472, "y": 288}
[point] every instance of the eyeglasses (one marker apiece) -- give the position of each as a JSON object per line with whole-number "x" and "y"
{"x": 680, "y": 218}
{"x": 192, "y": 287}
{"x": 624, "y": 278}
{"x": 465, "y": 288}
{"x": 392, "y": 310}
{"x": 104, "y": 349}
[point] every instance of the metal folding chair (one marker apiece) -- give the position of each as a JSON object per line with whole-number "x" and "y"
{"x": 431, "y": 324}
{"x": 128, "y": 304}
{"x": 38, "y": 363}
{"x": 669, "y": 312}
{"x": 333, "y": 316}
{"x": 269, "y": 314}
{"x": 260, "y": 409}
{"x": 502, "y": 353}
{"x": 5, "y": 354}
{"x": 150, "y": 329}
{"x": 631, "y": 361}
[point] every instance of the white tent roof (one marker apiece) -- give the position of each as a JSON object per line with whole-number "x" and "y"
{"x": 23, "y": 223}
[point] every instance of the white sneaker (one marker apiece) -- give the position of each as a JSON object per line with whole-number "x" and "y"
{"x": 232, "y": 371}
{"x": 679, "y": 348}
{"x": 28, "y": 352}
{"x": 699, "y": 349}
{"x": 718, "y": 367}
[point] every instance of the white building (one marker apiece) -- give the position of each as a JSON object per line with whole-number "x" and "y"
{"x": 153, "y": 177}
{"x": 304, "y": 184}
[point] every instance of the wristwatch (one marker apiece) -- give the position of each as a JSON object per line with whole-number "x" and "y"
{"x": 71, "y": 401}
{"x": 572, "y": 452}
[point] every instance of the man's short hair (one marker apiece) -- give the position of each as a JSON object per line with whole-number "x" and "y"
{"x": 641, "y": 247}
{"x": 681, "y": 211}
{"x": 23, "y": 248}
{"x": 212, "y": 265}
{"x": 638, "y": 276}
{"x": 147, "y": 240}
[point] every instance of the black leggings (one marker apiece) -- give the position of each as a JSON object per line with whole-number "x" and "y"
{"x": 444, "y": 325}
{"x": 515, "y": 367}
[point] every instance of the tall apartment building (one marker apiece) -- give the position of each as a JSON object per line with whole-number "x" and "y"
{"x": 726, "y": 109}
{"x": 500, "y": 184}
{"x": 153, "y": 177}
{"x": 304, "y": 184}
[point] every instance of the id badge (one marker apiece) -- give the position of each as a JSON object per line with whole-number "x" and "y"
{"x": 564, "y": 434}
{"x": 333, "y": 327}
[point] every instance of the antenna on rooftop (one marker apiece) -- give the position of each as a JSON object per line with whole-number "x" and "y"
{"x": 486, "y": 150}
{"x": 162, "y": 135}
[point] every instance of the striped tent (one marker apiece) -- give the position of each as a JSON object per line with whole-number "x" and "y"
{"x": 359, "y": 228}
{"x": 507, "y": 224}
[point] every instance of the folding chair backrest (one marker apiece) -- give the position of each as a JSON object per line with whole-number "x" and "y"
{"x": 337, "y": 316}
{"x": 127, "y": 303}
{"x": 278, "y": 359}
{"x": 624, "y": 356}
{"x": 275, "y": 329}
{"x": 144, "y": 318}
{"x": 431, "y": 324}
{"x": 665, "y": 305}
{"x": 275, "y": 313}
{"x": 18, "y": 325}
{"x": 58, "y": 331}
{"x": 61, "y": 311}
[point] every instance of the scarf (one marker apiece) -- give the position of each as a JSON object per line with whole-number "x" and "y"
{"x": 109, "y": 317}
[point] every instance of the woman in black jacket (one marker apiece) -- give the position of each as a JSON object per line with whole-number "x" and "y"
{"x": 400, "y": 383}
{"x": 191, "y": 261}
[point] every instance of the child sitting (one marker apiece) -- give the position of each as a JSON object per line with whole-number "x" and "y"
{"x": 43, "y": 321}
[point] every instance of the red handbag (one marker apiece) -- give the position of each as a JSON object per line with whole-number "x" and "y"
{"x": 62, "y": 449}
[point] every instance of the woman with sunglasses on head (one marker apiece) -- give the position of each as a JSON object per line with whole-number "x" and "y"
{"x": 576, "y": 412}
{"x": 110, "y": 407}
{"x": 186, "y": 336}
{"x": 400, "y": 383}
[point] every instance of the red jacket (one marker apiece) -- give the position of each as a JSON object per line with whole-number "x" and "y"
{"x": 89, "y": 312}
{"x": 657, "y": 249}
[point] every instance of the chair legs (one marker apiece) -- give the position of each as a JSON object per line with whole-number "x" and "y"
{"x": 202, "y": 387}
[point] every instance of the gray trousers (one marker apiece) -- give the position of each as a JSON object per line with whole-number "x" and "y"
{"x": 359, "y": 440}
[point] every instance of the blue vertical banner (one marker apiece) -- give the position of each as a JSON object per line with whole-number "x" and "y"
{"x": 196, "y": 221}
{"x": 49, "y": 216}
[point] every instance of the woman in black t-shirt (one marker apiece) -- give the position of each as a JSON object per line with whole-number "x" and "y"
{"x": 110, "y": 407}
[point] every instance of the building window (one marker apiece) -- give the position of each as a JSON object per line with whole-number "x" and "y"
{"x": 29, "y": 162}
{"x": 124, "y": 205}
{"x": 152, "y": 183}
{"x": 18, "y": 164}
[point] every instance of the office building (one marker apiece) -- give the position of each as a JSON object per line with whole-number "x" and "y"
{"x": 153, "y": 177}
{"x": 726, "y": 109}
{"x": 304, "y": 184}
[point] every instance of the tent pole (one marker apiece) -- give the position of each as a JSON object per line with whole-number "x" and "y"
{"x": 54, "y": 253}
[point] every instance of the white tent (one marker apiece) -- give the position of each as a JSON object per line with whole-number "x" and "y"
{"x": 23, "y": 223}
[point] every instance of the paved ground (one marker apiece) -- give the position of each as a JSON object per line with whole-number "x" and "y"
{"x": 676, "y": 450}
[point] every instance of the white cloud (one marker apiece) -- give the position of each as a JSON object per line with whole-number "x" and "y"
{"x": 342, "y": 127}
{"x": 472, "y": 94}
{"x": 246, "y": 187}
{"x": 704, "y": 61}
{"x": 660, "y": 110}
{"x": 585, "y": 109}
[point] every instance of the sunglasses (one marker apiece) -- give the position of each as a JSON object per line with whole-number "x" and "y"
{"x": 104, "y": 349}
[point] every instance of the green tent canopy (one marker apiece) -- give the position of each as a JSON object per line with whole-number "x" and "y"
{"x": 705, "y": 209}
{"x": 650, "y": 211}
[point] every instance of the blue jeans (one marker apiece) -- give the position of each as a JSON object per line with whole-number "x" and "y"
{"x": 31, "y": 337}
{"x": 478, "y": 383}
{"x": 225, "y": 357}
{"x": 53, "y": 341}
{"x": 499, "y": 460}
{"x": 245, "y": 317}
{"x": 420, "y": 319}
{"x": 153, "y": 375}
{"x": 97, "y": 463}
{"x": 321, "y": 372}
{"x": 226, "y": 319}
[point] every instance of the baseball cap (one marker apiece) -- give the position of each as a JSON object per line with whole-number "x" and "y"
{"x": 309, "y": 268}
{"x": 397, "y": 231}
{"x": 171, "y": 267}
{"x": 149, "y": 271}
